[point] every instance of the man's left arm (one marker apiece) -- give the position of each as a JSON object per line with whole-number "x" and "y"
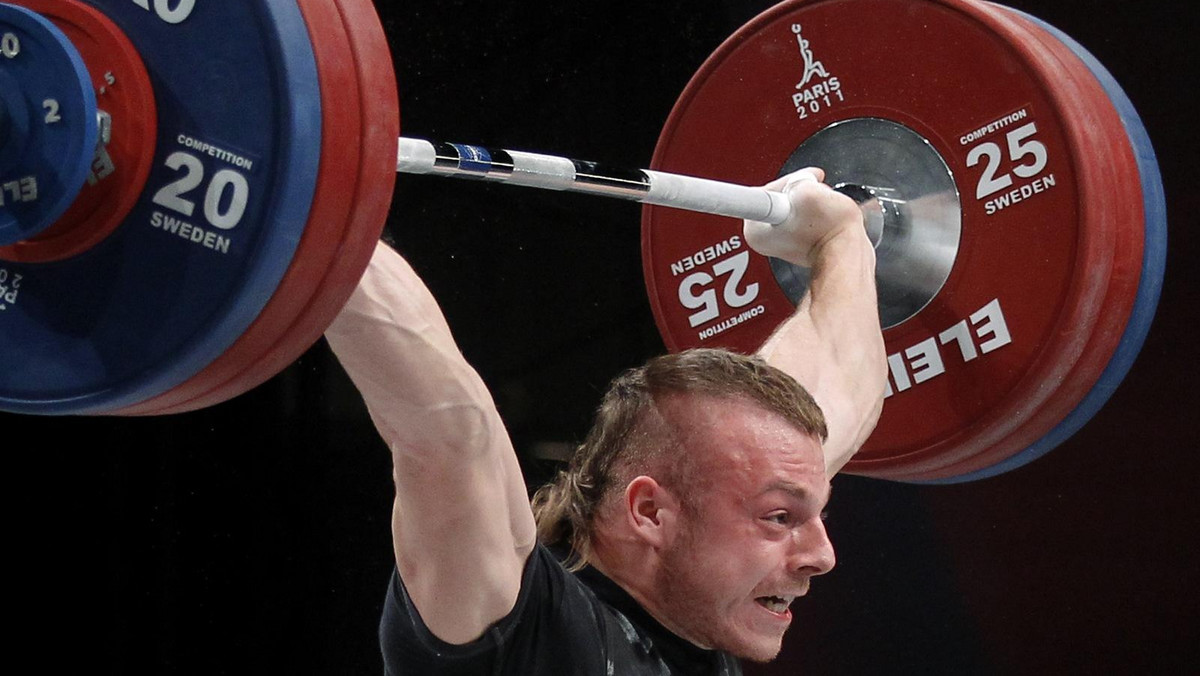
{"x": 833, "y": 343}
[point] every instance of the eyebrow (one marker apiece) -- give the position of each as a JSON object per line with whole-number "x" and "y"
{"x": 797, "y": 491}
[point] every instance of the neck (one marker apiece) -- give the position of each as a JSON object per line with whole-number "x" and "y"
{"x": 638, "y": 573}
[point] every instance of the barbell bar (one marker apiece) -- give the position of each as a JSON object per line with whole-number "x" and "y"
{"x": 246, "y": 202}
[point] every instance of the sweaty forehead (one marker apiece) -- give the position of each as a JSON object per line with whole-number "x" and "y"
{"x": 736, "y": 437}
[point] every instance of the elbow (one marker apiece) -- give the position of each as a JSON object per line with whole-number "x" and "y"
{"x": 870, "y": 394}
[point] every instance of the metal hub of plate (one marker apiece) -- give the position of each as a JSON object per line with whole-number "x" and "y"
{"x": 910, "y": 202}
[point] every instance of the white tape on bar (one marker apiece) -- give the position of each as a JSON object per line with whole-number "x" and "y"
{"x": 716, "y": 197}
{"x": 541, "y": 171}
{"x": 414, "y": 156}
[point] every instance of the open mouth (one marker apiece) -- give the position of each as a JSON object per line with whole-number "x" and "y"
{"x": 776, "y": 604}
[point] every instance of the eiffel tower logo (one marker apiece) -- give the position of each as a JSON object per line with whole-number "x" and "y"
{"x": 811, "y": 66}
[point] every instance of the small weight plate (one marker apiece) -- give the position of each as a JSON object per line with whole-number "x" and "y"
{"x": 354, "y": 187}
{"x": 117, "y": 172}
{"x": 1033, "y": 258}
{"x": 50, "y": 129}
{"x": 213, "y": 232}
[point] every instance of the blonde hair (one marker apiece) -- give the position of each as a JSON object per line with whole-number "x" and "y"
{"x": 625, "y": 435}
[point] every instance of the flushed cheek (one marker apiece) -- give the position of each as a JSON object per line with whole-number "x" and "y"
{"x": 748, "y": 560}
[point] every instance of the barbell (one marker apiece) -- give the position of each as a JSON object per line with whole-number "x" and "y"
{"x": 190, "y": 190}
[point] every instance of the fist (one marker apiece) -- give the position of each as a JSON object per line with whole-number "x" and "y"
{"x": 818, "y": 214}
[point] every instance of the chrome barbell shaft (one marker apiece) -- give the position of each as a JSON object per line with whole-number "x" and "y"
{"x": 416, "y": 156}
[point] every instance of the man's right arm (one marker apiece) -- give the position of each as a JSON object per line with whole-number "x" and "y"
{"x": 461, "y": 523}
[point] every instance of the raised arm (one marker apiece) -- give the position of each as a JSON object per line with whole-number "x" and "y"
{"x": 461, "y": 523}
{"x": 833, "y": 343}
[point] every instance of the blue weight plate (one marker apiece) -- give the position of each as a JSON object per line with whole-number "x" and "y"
{"x": 49, "y": 129}
{"x": 1154, "y": 257}
{"x": 213, "y": 232}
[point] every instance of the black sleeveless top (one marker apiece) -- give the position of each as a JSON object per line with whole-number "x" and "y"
{"x": 562, "y": 624}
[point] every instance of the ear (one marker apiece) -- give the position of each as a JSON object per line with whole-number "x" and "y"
{"x": 652, "y": 511}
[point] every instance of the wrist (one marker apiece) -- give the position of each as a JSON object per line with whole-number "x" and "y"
{"x": 847, "y": 243}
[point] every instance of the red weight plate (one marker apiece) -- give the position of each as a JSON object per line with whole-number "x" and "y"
{"x": 360, "y": 128}
{"x": 1031, "y": 271}
{"x": 1111, "y": 200}
{"x": 120, "y": 168}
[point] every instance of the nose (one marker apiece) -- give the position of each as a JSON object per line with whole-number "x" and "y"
{"x": 811, "y": 552}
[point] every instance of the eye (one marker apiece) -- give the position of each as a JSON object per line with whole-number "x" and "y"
{"x": 781, "y": 518}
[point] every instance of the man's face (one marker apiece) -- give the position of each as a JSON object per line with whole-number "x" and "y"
{"x": 754, "y": 535}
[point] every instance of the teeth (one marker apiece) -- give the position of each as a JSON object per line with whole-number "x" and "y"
{"x": 775, "y": 604}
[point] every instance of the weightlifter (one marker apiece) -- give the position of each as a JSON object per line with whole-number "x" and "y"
{"x": 689, "y": 519}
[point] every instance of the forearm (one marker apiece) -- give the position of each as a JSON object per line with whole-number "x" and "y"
{"x": 833, "y": 344}
{"x": 394, "y": 343}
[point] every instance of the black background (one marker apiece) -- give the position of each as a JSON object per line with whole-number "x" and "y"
{"x": 253, "y": 537}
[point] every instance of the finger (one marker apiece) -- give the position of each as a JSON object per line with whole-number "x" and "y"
{"x": 799, "y": 176}
{"x": 807, "y": 174}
